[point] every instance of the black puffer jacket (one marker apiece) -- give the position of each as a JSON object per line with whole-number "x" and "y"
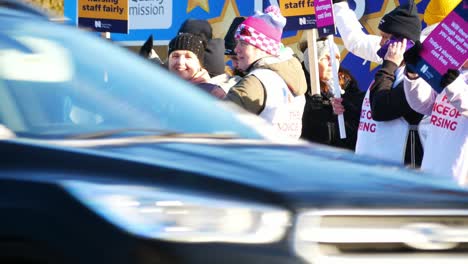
{"x": 320, "y": 124}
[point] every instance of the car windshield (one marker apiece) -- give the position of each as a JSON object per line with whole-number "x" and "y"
{"x": 58, "y": 82}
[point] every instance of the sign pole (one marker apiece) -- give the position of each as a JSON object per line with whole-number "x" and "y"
{"x": 326, "y": 27}
{"x": 336, "y": 84}
{"x": 106, "y": 35}
{"x": 313, "y": 62}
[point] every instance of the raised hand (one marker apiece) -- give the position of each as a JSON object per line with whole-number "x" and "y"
{"x": 395, "y": 52}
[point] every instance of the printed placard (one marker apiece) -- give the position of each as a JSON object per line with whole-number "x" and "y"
{"x": 151, "y": 14}
{"x": 103, "y": 15}
{"x": 324, "y": 17}
{"x": 300, "y": 14}
{"x": 445, "y": 48}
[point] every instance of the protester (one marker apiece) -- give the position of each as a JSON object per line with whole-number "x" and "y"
{"x": 446, "y": 147}
{"x": 185, "y": 59}
{"x": 234, "y": 75}
{"x": 274, "y": 84}
{"x": 388, "y": 127}
{"x": 214, "y": 51}
{"x": 319, "y": 122}
{"x": 230, "y": 44}
{"x": 435, "y": 11}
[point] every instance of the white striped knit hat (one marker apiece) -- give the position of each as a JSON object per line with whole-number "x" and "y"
{"x": 263, "y": 30}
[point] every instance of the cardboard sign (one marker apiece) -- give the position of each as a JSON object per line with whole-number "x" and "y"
{"x": 300, "y": 14}
{"x": 103, "y": 15}
{"x": 445, "y": 48}
{"x": 324, "y": 17}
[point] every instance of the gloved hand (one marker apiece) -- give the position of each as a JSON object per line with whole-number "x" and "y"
{"x": 338, "y": 1}
{"x": 315, "y": 102}
{"x": 412, "y": 56}
{"x": 449, "y": 77}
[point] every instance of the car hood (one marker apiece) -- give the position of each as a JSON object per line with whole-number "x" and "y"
{"x": 303, "y": 173}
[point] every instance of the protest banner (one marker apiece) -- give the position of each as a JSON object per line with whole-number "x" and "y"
{"x": 103, "y": 15}
{"x": 445, "y": 48}
{"x": 324, "y": 17}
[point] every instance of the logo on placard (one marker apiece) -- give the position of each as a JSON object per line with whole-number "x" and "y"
{"x": 97, "y": 24}
{"x": 304, "y": 21}
{"x": 424, "y": 68}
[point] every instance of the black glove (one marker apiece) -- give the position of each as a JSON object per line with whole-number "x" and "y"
{"x": 315, "y": 102}
{"x": 449, "y": 77}
{"x": 412, "y": 56}
{"x": 338, "y": 1}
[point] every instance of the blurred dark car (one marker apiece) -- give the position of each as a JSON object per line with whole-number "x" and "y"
{"x": 105, "y": 158}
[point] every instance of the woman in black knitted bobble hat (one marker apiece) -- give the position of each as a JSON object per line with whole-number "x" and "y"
{"x": 186, "y": 53}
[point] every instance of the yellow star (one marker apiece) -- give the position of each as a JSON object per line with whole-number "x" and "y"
{"x": 203, "y": 4}
{"x": 221, "y": 24}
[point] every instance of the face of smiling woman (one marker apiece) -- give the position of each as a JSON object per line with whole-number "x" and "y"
{"x": 184, "y": 63}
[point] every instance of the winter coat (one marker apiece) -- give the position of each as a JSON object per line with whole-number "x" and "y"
{"x": 355, "y": 40}
{"x": 320, "y": 124}
{"x": 249, "y": 93}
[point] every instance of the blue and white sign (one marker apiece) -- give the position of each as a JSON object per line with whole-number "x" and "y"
{"x": 150, "y": 14}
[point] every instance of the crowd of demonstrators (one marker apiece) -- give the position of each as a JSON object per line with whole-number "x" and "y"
{"x": 268, "y": 80}
{"x": 185, "y": 58}
{"x": 388, "y": 126}
{"x": 319, "y": 122}
{"x": 271, "y": 87}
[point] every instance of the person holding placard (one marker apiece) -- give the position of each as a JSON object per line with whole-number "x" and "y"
{"x": 388, "y": 124}
{"x": 446, "y": 147}
{"x": 274, "y": 84}
{"x": 319, "y": 122}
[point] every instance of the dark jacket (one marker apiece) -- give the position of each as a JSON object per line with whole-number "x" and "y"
{"x": 388, "y": 104}
{"x": 320, "y": 124}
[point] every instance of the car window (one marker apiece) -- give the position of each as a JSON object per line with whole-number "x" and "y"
{"x": 58, "y": 81}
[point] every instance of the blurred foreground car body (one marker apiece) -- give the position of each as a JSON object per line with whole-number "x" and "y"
{"x": 105, "y": 158}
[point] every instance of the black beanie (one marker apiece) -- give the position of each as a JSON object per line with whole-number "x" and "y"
{"x": 229, "y": 41}
{"x": 197, "y": 27}
{"x": 214, "y": 57}
{"x": 402, "y": 21}
{"x": 187, "y": 41}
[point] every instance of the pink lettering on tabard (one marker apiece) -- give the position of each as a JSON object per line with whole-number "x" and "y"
{"x": 367, "y": 127}
{"x": 444, "y": 123}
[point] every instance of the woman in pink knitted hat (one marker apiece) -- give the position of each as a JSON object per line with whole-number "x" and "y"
{"x": 274, "y": 84}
